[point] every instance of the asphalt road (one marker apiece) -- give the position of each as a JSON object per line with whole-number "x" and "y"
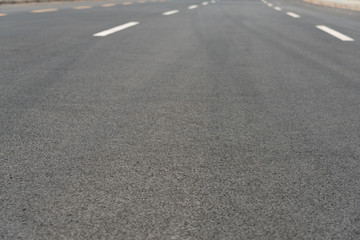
{"x": 231, "y": 120}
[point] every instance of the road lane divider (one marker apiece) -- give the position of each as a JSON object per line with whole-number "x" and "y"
{"x": 108, "y": 5}
{"x": 82, "y": 7}
{"x": 270, "y": 5}
{"x": 170, "y": 12}
{"x": 115, "y": 29}
{"x": 294, "y": 15}
{"x": 45, "y": 10}
{"x": 334, "y": 33}
{"x": 213, "y": 1}
{"x": 278, "y": 8}
{"x": 127, "y": 3}
{"x": 205, "y": 3}
{"x": 192, "y": 6}
{"x": 3, "y": 14}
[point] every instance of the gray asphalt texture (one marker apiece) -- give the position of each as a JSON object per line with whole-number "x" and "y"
{"x": 229, "y": 121}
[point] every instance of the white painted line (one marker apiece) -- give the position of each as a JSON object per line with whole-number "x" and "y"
{"x": 277, "y": 8}
{"x": 205, "y": 3}
{"x": 115, "y": 29}
{"x": 192, "y": 6}
{"x": 170, "y": 12}
{"x": 108, "y": 5}
{"x": 82, "y": 7}
{"x": 213, "y": 1}
{"x": 334, "y": 33}
{"x": 127, "y": 3}
{"x": 270, "y": 5}
{"x": 44, "y": 10}
{"x": 294, "y": 15}
{"x": 2, "y": 14}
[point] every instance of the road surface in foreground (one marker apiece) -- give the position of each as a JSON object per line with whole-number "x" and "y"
{"x": 179, "y": 120}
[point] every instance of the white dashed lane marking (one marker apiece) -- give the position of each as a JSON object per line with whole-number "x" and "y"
{"x": 82, "y": 7}
{"x": 170, "y": 12}
{"x": 108, "y": 5}
{"x": 294, "y": 15}
{"x": 192, "y": 6}
{"x": 44, "y": 10}
{"x": 115, "y": 29}
{"x": 335, "y": 33}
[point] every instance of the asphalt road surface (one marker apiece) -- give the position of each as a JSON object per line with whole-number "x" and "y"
{"x": 179, "y": 120}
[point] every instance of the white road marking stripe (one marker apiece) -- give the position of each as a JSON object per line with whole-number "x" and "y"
{"x": 127, "y": 3}
{"x": 108, "y": 5}
{"x": 277, "y": 8}
{"x": 44, "y": 10}
{"x": 213, "y": 1}
{"x": 170, "y": 12}
{"x": 82, "y": 7}
{"x": 2, "y": 14}
{"x": 294, "y": 15}
{"x": 192, "y": 6}
{"x": 270, "y": 5}
{"x": 334, "y": 33}
{"x": 205, "y": 3}
{"x": 115, "y": 29}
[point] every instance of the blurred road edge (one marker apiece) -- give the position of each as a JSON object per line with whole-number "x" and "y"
{"x": 2, "y": 2}
{"x": 344, "y": 4}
